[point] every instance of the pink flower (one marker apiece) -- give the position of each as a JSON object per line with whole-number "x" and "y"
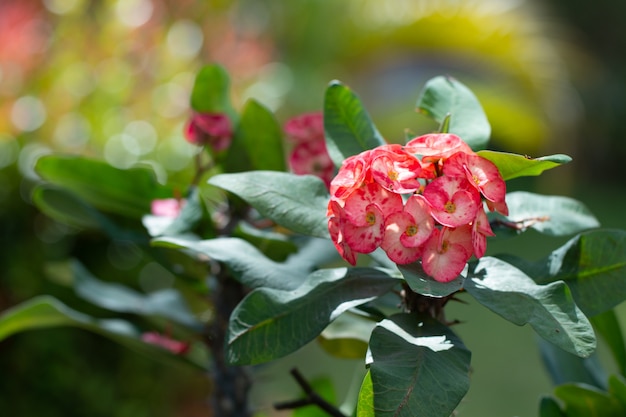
{"x": 396, "y": 170}
{"x": 480, "y": 172}
{"x": 446, "y": 252}
{"x": 167, "y": 207}
{"x": 212, "y": 129}
{"x": 175, "y": 346}
{"x": 406, "y": 231}
{"x": 436, "y": 146}
{"x": 480, "y": 230}
{"x": 453, "y": 200}
{"x": 353, "y": 173}
{"x": 305, "y": 128}
{"x": 312, "y": 158}
{"x": 335, "y": 227}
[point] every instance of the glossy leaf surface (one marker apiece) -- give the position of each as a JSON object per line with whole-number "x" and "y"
{"x": 551, "y": 215}
{"x": 271, "y": 323}
{"x": 513, "y": 165}
{"x": 348, "y": 127}
{"x": 549, "y": 309}
{"x": 418, "y": 368}
{"x": 593, "y": 264}
{"x": 297, "y": 202}
{"x": 423, "y": 284}
{"x": 211, "y": 93}
{"x": 443, "y": 96}
{"x": 128, "y": 192}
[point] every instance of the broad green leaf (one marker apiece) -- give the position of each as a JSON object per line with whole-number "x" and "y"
{"x": 274, "y": 245}
{"x": 592, "y": 264}
{"x": 423, "y": 284}
{"x": 260, "y": 137}
{"x": 297, "y": 202}
{"x": 247, "y": 263}
{"x": 347, "y": 336}
{"x": 549, "y": 309}
{"x": 365, "y": 404}
{"x": 617, "y": 388}
{"x": 45, "y": 312}
{"x": 270, "y": 323}
{"x": 211, "y": 92}
{"x": 127, "y": 192}
{"x": 564, "y": 367}
{"x": 548, "y": 407}
{"x": 65, "y": 207}
{"x": 584, "y": 401}
{"x": 513, "y": 165}
{"x": 551, "y": 215}
{"x": 443, "y": 96}
{"x": 418, "y": 368}
{"x": 166, "y": 303}
{"x": 348, "y": 127}
{"x": 608, "y": 327}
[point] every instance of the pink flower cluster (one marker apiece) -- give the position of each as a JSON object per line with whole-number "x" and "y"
{"x": 309, "y": 155}
{"x": 423, "y": 200}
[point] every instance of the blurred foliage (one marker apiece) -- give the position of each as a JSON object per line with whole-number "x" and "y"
{"x": 112, "y": 78}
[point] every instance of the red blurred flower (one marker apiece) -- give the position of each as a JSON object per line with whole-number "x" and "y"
{"x": 212, "y": 129}
{"x": 175, "y": 346}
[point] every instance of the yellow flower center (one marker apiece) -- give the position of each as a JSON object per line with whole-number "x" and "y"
{"x": 450, "y": 207}
{"x": 370, "y": 218}
{"x": 393, "y": 175}
{"x": 411, "y": 230}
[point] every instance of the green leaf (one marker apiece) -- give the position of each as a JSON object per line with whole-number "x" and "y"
{"x": 348, "y": 127}
{"x": 260, "y": 136}
{"x": 45, "y": 312}
{"x": 549, "y": 309}
{"x": 270, "y": 323}
{"x": 443, "y": 96}
{"x": 548, "y": 407}
{"x": 617, "y": 388}
{"x": 593, "y": 264}
{"x": 584, "y": 401}
{"x": 127, "y": 192}
{"x": 247, "y": 263}
{"x": 67, "y": 208}
{"x": 423, "y": 284}
{"x": 365, "y": 404}
{"x": 297, "y": 202}
{"x": 211, "y": 93}
{"x": 513, "y": 165}
{"x": 418, "y": 368}
{"x": 274, "y": 245}
{"x": 608, "y": 327}
{"x": 347, "y": 336}
{"x": 551, "y": 215}
{"x": 166, "y": 303}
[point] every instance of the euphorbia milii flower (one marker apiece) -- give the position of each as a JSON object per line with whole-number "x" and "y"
{"x": 480, "y": 230}
{"x": 335, "y": 227}
{"x": 436, "y": 146}
{"x": 212, "y": 129}
{"x": 356, "y": 205}
{"x": 175, "y": 346}
{"x": 305, "y": 127}
{"x": 453, "y": 200}
{"x": 395, "y": 169}
{"x": 406, "y": 231}
{"x": 480, "y": 172}
{"x": 353, "y": 173}
{"x": 446, "y": 252}
{"x": 312, "y": 158}
{"x": 166, "y": 207}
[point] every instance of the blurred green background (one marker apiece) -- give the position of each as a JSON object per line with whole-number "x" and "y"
{"x": 112, "y": 78}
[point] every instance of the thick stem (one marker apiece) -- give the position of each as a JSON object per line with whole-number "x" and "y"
{"x": 229, "y": 396}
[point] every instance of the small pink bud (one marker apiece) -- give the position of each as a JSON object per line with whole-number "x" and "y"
{"x": 175, "y": 346}
{"x": 167, "y": 207}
